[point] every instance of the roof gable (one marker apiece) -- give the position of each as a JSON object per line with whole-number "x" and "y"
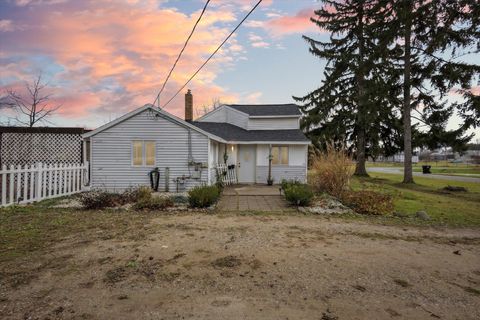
{"x": 160, "y": 112}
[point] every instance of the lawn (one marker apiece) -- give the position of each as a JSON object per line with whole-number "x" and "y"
{"x": 449, "y": 208}
{"x": 125, "y": 264}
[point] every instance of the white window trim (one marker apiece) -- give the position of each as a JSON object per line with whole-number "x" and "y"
{"x": 144, "y": 158}
{"x": 279, "y": 153}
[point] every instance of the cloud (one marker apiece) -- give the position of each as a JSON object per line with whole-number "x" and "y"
{"x": 6, "y": 25}
{"x": 298, "y": 23}
{"x": 109, "y": 57}
{"x": 280, "y": 25}
{"x": 260, "y": 44}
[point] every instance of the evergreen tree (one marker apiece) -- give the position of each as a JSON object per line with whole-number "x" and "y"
{"x": 355, "y": 99}
{"x": 429, "y": 34}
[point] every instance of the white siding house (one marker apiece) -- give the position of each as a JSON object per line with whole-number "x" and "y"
{"x": 187, "y": 153}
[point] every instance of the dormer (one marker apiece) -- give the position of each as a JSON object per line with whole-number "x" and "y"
{"x": 257, "y": 117}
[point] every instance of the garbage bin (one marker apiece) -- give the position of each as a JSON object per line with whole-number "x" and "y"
{"x": 426, "y": 169}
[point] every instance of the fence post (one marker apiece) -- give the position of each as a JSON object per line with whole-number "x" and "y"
{"x": 38, "y": 189}
{"x": 11, "y": 184}
{"x": 50, "y": 168}
{"x": 4, "y": 185}
{"x": 55, "y": 172}
{"x": 19, "y": 183}
{"x": 25, "y": 183}
{"x": 32, "y": 182}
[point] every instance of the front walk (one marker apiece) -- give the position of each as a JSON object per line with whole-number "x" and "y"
{"x": 252, "y": 198}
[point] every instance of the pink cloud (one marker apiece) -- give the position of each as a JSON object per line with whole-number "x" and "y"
{"x": 298, "y": 23}
{"x": 115, "y": 54}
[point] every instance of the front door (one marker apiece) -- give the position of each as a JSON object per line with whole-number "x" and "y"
{"x": 246, "y": 163}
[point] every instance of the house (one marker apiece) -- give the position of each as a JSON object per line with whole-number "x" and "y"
{"x": 186, "y": 152}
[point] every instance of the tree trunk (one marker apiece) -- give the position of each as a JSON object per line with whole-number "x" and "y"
{"x": 360, "y": 169}
{"x": 407, "y": 120}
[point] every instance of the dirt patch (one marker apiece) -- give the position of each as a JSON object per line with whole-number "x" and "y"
{"x": 198, "y": 266}
{"x": 227, "y": 262}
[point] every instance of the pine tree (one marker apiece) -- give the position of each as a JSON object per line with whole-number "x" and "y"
{"x": 354, "y": 99}
{"x": 429, "y": 34}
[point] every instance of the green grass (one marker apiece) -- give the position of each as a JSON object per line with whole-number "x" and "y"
{"x": 446, "y": 208}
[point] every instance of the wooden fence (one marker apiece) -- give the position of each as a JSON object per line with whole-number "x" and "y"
{"x": 30, "y": 183}
{"x": 227, "y": 172}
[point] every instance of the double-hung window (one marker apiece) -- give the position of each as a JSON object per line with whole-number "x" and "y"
{"x": 279, "y": 155}
{"x": 143, "y": 153}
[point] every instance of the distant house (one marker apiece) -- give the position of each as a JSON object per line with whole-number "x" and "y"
{"x": 187, "y": 152}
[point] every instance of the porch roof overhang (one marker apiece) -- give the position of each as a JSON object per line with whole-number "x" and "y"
{"x": 235, "y": 135}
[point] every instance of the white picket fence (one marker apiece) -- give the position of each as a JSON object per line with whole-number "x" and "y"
{"x": 37, "y": 182}
{"x": 229, "y": 176}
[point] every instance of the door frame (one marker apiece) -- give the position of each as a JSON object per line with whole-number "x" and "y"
{"x": 254, "y": 160}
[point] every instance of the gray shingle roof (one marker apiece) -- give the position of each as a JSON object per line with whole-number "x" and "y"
{"x": 231, "y": 132}
{"x": 267, "y": 109}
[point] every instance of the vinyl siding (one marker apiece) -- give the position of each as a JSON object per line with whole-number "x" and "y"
{"x": 217, "y": 115}
{"x": 281, "y": 172}
{"x": 273, "y": 123}
{"x": 295, "y": 170}
{"x": 237, "y": 118}
{"x": 111, "y": 166}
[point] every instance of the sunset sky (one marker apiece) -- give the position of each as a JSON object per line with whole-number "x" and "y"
{"x": 102, "y": 58}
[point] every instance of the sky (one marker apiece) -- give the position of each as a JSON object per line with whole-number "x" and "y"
{"x": 103, "y": 58}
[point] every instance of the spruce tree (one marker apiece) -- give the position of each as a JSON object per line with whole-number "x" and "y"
{"x": 354, "y": 99}
{"x": 432, "y": 35}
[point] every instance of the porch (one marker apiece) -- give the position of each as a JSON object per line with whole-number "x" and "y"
{"x": 248, "y": 163}
{"x": 252, "y": 198}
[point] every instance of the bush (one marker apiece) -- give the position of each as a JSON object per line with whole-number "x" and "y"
{"x": 287, "y": 183}
{"x": 332, "y": 171}
{"x": 368, "y": 202}
{"x": 136, "y": 194}
{"x": 299, "y": 194}
{"x": 153, "y": 203}
{"x": 98, "y": 199}
{"x": 203, "y": 196}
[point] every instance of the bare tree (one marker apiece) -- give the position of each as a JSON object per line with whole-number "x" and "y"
{"x": 204, "y": 109}
{"x": 34, "y": 105}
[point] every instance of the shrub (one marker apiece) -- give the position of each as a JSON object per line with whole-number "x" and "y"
{"x": 287, "y": 183}
{"x": 153, "y": 203}
{"x": 136, "y": 194}
{"x": 299, "y": 194}
{"x": 368, "y": 202}
{"x": 332, "y": 170}
{"x": 203, "y": 196}
{"x": 179, "y": 199}
{"x": 98, "y": 199}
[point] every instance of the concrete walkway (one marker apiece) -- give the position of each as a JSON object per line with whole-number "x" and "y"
{"x": 252, "y": 198}
{"x": 395, "y": 170}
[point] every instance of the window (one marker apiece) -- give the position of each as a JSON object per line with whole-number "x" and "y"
{"x": 143, "y": 153}
{"x": 280, "y": 155}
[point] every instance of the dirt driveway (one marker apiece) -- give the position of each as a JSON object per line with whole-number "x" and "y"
{"x": 199, "y": 266}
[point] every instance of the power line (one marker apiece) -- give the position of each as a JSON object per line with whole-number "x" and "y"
{"x": 181, "y": 52}
{"x": 214, "y": 52}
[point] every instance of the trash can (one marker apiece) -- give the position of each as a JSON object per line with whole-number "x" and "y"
{"x": 426, "y": 169}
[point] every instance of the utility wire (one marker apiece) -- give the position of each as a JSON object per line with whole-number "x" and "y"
{"x": 181, "y": 52}
{"x": 214, "y": 52}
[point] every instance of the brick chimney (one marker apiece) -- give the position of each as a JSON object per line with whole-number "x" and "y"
{"x": 188, "y": 106}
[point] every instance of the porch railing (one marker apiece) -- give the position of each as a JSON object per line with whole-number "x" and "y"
{"x": 227, "y": 173}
